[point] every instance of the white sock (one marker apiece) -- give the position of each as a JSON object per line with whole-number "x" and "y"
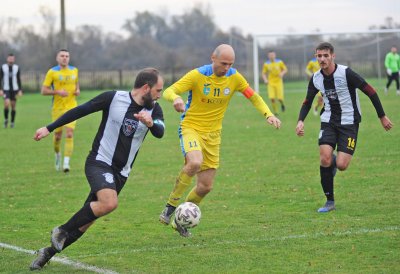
{"x": 66, "y": 161}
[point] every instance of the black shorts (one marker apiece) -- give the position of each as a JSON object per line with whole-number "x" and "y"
{"x": 101, "y": 176}
{"x": 344, "y": 136}
{"x": 10, "y": 94}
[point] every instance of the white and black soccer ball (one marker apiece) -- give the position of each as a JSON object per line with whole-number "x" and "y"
{"x": 188, "y": 215}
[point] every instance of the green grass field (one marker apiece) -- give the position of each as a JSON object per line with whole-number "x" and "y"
{"x": 260, "y": 217}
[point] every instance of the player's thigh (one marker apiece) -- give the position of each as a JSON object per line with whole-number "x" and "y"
{"x": 328, "y": 135}
{"x": 279, "y": 91}
{"x": 211, "y": 150}
{"x": 347, "y": 140}
{"x": 100, "y": 176}
{"x": 190, "y": 140}
{"x": 57, "y": 113}
{"x": 272, "y": 91}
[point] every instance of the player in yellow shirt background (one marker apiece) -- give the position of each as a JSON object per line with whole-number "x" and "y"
{"x": 272, "y": 73}
{"x": 61, "y": 82}
{"x": 210, "y": 88}
{"x": 313, "y": 67}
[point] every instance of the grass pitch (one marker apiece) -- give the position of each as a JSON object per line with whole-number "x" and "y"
{"x": 260, "y": 217}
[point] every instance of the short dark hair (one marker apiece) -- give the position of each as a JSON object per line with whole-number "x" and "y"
{"x": 11, "y": 54}
{"x": 325, "y": 46}
{"x": 147, "y": 76}
{"x": 63, "y": 50}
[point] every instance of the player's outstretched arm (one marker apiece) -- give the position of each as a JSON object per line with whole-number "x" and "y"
{"x": 386, "y": 123}
{"x": 41, "y": 133}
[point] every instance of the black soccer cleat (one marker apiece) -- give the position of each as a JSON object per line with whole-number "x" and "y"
{"x": 165, "y": 216}
{"x": 43, "y": 257}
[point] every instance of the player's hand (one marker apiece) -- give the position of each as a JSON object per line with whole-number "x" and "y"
{"x": 144, "y": 117}
{"x": 19, "y": 94}
{"x": 300, "y": 128}
{"x": 386, "y": 123}
{"x": 1, "y": 92}
{"x": 77, "y": 92}
{"x": 179, "y": 105}
{"x": 389, "y": 71}
{"x": 273, "y": 120}
{"x": 41, "y": 133}
{"x": 62, "y": 92}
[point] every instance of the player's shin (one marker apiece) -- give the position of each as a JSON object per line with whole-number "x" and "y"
{"x": 183, "y": 181}
{"x": 194, "y": 197}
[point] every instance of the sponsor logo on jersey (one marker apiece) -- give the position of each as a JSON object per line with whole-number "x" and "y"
{"x": 212, "y": 101}
{"x": 227, "y": 91}
{"x": 109, "y": 177}
{"x": 129, "y": 126}
{"x": 206, "y": 89}
{"x": 331, "y": 94}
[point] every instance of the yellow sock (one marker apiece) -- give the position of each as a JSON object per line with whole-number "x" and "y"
{"x": 274, "y": 107}
{"x": 182, "y": 183}
{"x": 68, "y": 146}
{"x": 56, "y": 144}
{"x": 194, "y": 197}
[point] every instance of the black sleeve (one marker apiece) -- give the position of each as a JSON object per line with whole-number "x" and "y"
{"x": 357, "y": 81}
{"x": 305, "y": 108}
{"x": 19, "y": 78}
{"x": 158, "y": 127}
{"x": 1, "y": 77}
{"x": 353, "y": 79}
{"x": 99, "y": 102}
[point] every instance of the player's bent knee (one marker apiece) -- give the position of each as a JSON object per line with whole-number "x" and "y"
{"x": 342, "y": 166}
{"x": 107, "y": 207}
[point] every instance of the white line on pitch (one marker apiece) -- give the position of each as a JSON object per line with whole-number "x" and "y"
{"x": 62, "y": 260}
{"x": 255, "y": 240}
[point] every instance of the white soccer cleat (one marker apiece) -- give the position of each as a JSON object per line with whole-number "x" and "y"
{"x": 66, "y": 167}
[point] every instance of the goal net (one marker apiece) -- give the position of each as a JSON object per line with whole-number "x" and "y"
{"x": 364, "y": 52}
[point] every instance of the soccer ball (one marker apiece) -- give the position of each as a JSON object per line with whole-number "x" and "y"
{"x": 188, "y": 215}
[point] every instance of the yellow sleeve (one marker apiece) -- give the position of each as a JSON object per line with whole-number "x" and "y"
{"x": 283, "y": 66}
{"x": 265, "y": 68}
{"x": 182, "y": 85}
{"x": 260, "y": 105}
{"x": 48, "y": 80}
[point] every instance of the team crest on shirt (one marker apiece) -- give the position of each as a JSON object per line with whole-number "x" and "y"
{"x": 109, "y": 177}
{"x": 227, "y": 91}
{"x": 129, "y": 126}
{"x": 206, "y": 89}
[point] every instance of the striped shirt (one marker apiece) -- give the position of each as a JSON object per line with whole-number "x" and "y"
{"x": 120, "y": 134}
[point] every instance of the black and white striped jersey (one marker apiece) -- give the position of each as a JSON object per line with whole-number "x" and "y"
{"x": 339, "y": 91}
{"x": 10, "y": 77}
{"x": 120, "y": 134}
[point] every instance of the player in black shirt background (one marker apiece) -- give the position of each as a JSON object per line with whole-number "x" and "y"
{"x": 127, "y": 118}
{"x": 340, "y": 116}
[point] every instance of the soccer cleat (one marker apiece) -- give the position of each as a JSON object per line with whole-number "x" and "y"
{"x": 165, "y": 216}
{"x": 58, "y": 161}
{"x": 12, "y": 125}
{"x": 58, "y": 237}
{"x": 181, "y": 230}
{"x": 5, "y": 123}
{"x": 43, "y": 257}
{"x": 329, "y": 206}
{"x": 66, "y": 167}
{"x": 334, "y": 170}
{"x": 398, "y": 92}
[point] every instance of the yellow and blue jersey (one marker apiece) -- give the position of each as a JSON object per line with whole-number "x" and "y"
{"x": 208, "y": 98}
{"x": 63, "y": 78}
{"x": 273, "y": 70}
{"x": 313, "y": 65}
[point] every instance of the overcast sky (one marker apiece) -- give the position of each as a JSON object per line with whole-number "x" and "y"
{"x": 251, "y": 16}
